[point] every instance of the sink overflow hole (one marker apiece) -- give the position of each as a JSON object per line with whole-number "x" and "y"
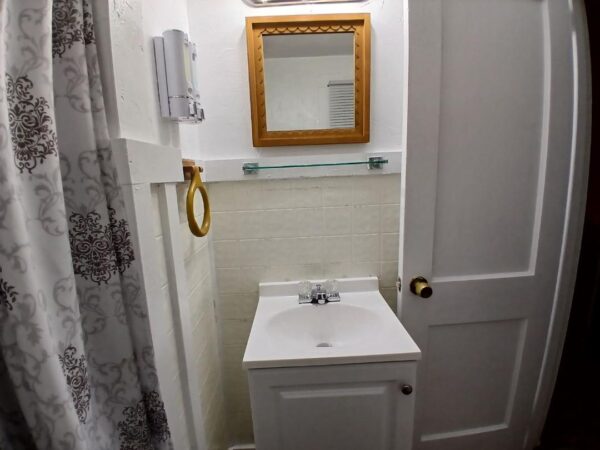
{"x": 324, "y": 344}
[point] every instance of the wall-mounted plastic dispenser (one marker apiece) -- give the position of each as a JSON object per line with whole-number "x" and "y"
{"x": 175, "y": 58}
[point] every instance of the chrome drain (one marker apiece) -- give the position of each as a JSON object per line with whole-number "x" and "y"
{"x": 324, "y": 344}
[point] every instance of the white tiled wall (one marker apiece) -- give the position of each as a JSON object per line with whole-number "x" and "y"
{"x": 278, "y": 230}
{"x": 202, "y": 297}
{"x": 200, "y": 276}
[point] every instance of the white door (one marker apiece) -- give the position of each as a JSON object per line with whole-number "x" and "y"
{"x": 492, "y": 92}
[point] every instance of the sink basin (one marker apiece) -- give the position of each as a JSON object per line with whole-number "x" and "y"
{"x": 360, "y": 328}
{"x": 323, "y": 326}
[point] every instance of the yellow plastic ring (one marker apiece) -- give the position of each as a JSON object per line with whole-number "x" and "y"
{"x": 197, "y": 185}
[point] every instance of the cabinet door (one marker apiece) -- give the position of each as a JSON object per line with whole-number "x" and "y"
{"x": 358, "y": 407}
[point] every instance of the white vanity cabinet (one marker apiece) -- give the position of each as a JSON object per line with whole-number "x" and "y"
{"x": 339, "y": 407}
{"x": 338, "y": 376}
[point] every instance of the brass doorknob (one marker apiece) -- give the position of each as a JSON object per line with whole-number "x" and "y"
{"x": 420, "y": 287}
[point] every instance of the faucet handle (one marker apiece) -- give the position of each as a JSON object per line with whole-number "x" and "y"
{"x": 332, "y": 290}
{"x": 304, "y": 290}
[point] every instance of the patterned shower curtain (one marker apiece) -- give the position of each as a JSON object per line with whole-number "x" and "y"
{"x": 76, "y": 362}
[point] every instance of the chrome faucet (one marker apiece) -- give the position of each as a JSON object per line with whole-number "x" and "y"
{"x": 318, "y": 295}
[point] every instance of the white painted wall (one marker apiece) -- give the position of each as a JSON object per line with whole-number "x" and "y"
{"x": 218, "y": 28}
{"x": 159, "y": 16}
{"x": 132, "y": 102}
{"x": 297, "y": 92}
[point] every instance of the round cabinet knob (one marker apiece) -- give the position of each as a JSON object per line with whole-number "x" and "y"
{"x": 420, "y": 287}
{"x": 406, "y": 389}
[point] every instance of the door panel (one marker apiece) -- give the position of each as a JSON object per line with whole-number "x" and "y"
{"x": 491, "y": 94}
{"x": 491, "y": 105}
{"x": 480, "y": 355}
{"x": 348, "y": 406}
{"x": 375, "y": 402}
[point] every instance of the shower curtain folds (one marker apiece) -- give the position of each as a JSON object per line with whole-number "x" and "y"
{"x": 76, "y": 359}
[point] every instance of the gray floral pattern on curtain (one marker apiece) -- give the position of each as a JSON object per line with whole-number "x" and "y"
{"x": 76, "y": 361}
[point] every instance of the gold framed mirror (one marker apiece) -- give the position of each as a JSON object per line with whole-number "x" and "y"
{"x": 310, "y": 79}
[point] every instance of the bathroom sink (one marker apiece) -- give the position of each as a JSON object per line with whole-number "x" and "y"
{"x": 360, "y": 328}
{"x": 337, "y": 325}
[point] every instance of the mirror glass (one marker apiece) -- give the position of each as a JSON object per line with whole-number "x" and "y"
{"x": 309, "y": 81}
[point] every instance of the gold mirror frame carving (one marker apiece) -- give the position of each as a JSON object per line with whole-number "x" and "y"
{"x": 359, "y": 24}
